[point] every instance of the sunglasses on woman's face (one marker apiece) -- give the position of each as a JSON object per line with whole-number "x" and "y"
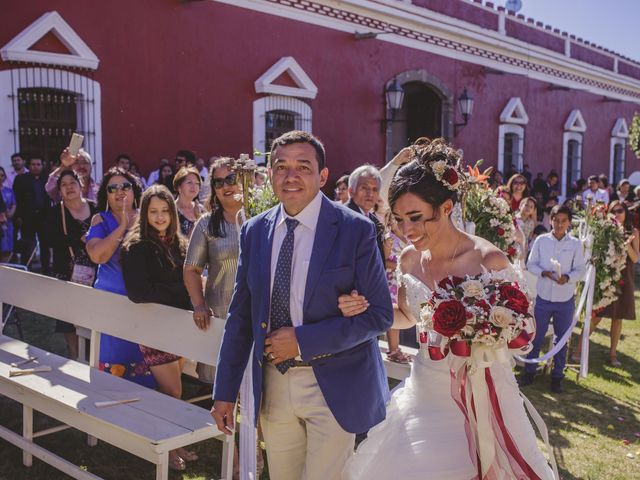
{"x": 115, "y": 187}
{"x": 617, "y": 211}
{"x": 230, "y": 179}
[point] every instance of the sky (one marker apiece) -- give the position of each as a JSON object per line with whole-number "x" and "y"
{"x": 612, "y": 24}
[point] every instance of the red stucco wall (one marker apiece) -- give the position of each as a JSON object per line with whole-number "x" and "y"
{"x": 181, "y": 75}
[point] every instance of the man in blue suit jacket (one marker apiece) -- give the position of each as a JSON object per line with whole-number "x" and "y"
{"x": 319, "y": 375}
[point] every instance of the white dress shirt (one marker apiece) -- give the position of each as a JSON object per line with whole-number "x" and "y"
{"x": 569, "y": 252}
{"x": 303, "y": 238}
{"x": 600, "y": 195}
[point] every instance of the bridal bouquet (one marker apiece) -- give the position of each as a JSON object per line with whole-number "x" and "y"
{"x": 480, "y": 309}
{"x": 492, "y": 218}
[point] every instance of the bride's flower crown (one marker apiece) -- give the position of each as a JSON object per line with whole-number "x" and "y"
{"x": 450, "y": 176}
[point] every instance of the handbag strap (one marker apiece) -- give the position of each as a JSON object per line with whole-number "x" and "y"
{"x": 64, "y": 228}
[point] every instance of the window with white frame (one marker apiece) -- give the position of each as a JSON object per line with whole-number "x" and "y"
{"x": 275, "y": 115}
{"x": 572, "y": 140}
{"x": 619, "y": 135}
{"x": 511, "y": 136}
{"x": 284, "y": 109}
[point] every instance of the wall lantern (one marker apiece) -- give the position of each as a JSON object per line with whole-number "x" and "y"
{"x": 465, "y": 104}
{"x": 394, "y": 95}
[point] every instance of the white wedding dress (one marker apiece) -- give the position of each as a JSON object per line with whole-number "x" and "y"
{"x": 423, "y": 436}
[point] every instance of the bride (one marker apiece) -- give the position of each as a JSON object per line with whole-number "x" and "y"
{"x": 426, "y": 434}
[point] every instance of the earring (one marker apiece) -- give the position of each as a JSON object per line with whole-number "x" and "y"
{"x": 135, "y": 203}
{"x": 107, "y": 209}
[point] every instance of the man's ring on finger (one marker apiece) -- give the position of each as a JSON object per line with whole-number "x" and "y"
{"x": 271, "y": 356}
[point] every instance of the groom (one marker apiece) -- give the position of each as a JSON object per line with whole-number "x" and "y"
{"x": 320, "y": 375}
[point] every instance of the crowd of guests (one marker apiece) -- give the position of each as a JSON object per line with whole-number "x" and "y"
{"x": 154, "y": 239}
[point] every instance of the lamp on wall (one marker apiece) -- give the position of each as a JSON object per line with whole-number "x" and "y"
{"x": 465, "y": 104}
{"x": 394, "y": 94}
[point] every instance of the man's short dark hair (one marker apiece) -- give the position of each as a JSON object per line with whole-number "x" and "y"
{"x": 298, "y": 136}
{"x": 17, "y": 154}
{"x": 123, "y": 155}
{"x": 561, "y": 209}
{"x": 34, "y": 158}
{"x": 188, "y": 155}
{"x": 552, "y": 174}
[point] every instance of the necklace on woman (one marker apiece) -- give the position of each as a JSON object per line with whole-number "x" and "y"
{"x": 428, "y": 257}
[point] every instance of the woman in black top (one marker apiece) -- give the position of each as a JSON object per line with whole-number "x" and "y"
{"x": 152, "y": 257}
{"x": 68, "y": 223}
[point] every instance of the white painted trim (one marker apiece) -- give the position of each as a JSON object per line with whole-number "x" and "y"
{"x": 306, "y": 88}
{"x": 432, "y": 23}
{"x": 503, "y": 129}
{"x": 575, "y": 122}
{"x": 260, "y": 111}
{"x": 89, "y": 110}
{"x": 620, "y": 129}
{"x": 17, "y": 50}
{"x": 622, "y": 141}
{"x": 566, "y": 136}
{"x": 514, "y": 112}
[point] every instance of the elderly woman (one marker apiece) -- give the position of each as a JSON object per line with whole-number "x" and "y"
{"x": 81, "y": 164}
{"x": 67, "y": 225}
{"x": 187, "y": 183}
{"x": 214, "y": 245}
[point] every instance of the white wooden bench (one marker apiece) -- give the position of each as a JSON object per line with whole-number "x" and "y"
{"x": 148, "y": 428}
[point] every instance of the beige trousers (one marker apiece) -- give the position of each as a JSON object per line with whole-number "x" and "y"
{"x": 302, "y": 437}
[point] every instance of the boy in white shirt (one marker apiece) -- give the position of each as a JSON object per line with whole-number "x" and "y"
{"x": 557, "y": 259}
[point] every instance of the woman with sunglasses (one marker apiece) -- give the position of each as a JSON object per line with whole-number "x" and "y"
{"x": 214, "y": 245}
{"x": 624, "y": 307}
{"x": 187, "y": 183}
{"x": 519, "y": 190}
{"x": 118, "y": 198}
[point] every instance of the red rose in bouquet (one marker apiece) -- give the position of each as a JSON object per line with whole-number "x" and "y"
{"x": 514, "y": 299}
{"x": 450, "y": 176}
{"x": 449, "y": 318}
{"x": 450, "y": 282}
{"x": 500, "y": 231}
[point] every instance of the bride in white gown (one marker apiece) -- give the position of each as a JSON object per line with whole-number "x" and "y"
{"x": 426, "y": 434}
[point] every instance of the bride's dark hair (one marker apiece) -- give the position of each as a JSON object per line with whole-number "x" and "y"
{"x": 417, "y": 176}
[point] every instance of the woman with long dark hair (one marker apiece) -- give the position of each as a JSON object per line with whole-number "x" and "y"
{"x": 118, "y": 200}
{"x": 152, "y": 256}
{"x": 214, "y": 245}
{"x": 424, "y": 434}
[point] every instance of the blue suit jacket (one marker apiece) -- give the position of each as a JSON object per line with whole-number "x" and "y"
{"x": 343, "y": 352}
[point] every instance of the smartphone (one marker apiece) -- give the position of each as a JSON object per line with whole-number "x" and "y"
{"x": 75, "y": 143}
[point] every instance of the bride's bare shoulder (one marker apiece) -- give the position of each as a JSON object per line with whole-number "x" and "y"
{"x": 491, "y": 257}
{"x": 409, "y": 259}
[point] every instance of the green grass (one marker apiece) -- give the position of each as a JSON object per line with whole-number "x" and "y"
{"x": 585, "y": 432}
